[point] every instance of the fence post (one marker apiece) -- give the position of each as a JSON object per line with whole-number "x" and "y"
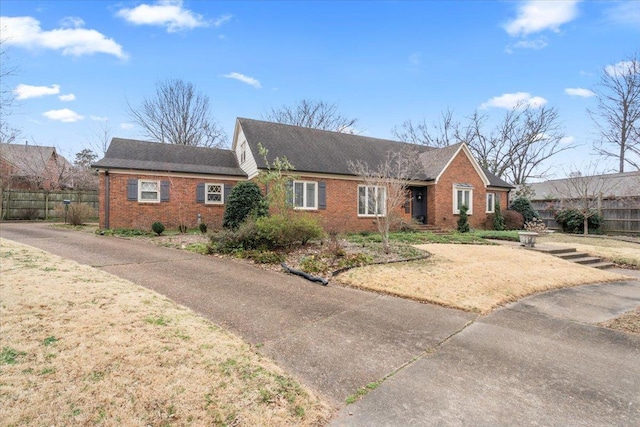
{"x": 46, "y": 206}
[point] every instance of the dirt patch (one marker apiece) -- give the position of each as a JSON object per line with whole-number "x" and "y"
{"x": 80, "y": 347}
{"x": 628, "y": 322}
{"x": 474, "y": 278}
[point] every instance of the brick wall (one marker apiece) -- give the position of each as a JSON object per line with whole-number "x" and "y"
{"x": 181, "y": 207}
{"x": 440, "y": 196}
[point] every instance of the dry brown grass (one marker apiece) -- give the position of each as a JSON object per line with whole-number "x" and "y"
{"x": 474, "y": 278}
{"x": 619, "y": 252}
{"x": 82, "y": 347}
{"x": 628, "y": 322}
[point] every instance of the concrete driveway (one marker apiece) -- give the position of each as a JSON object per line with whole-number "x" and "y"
{"x": 540, "y": 361}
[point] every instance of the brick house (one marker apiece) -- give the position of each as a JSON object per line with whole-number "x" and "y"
{"x": 33, "y": 167}
{"x": 142, "y": 182}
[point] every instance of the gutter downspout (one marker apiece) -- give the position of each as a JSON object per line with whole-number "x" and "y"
{"x": 106, "y": 199}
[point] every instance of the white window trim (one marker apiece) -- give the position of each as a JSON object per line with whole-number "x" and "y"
{"x": 459, "y": 187}
{"x": 384, "y": 205}
{"x": 206, "y": 193}
{"x": 158, "y": 186}
{"x": 491, "y": 207}
{"x": 305, "y": 206}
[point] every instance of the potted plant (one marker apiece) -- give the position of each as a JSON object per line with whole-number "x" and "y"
{"x": 532, "y": 229}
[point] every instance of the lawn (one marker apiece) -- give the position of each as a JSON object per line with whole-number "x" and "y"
{"x": 81, "y": 347}
{"x": 475, "y": 278}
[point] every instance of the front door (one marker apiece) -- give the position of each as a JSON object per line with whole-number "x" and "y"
{"x": 419, "y": 204}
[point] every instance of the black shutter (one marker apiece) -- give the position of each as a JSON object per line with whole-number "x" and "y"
{"x": 322, "y": 195}
{"x": 164, "y": 191}
{"x": 407, "y": 202}
{"x": 227, "y": 191}
{"x": 200, "y": 192}
{"x": 132, "y": 189}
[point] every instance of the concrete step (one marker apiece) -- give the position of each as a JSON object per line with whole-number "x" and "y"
{"x": 587, "y": 260}
{"x": 571, "y": 255}
{"x": 555, "y": 251}
{"x": 602, "y": 265}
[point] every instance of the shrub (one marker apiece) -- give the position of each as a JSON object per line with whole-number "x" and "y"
{"x": 265, "y": 257}
{"x": 280, "y": 231}
{"x": 463, "y": 220}
{"x": 355, "y": 260}
{"x": 572, "y": 221}
{"x": 77, "y": 213}
{"x": 157, "y": 227}
{"x": 245, "y": 200}
{"x": 498, "y": 219}
{"x": 245, "y": 237}
{"x": 203, "y": 227}
{"x": 536, "y": 226}
{"x": 513, "y": 220}
{"x": 314, "y": 264}
{"x": 523, "y": 205}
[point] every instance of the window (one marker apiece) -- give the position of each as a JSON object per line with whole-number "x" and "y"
{"x": 305, "y": 195}
{"x": 148, "y": 191}
{"x": 214, "y": 194}
{"x": 371, "y": 200}
{"x": 243, "y": 152}
{"x": 491, "y": 202}
{"x": 462, "y": 196}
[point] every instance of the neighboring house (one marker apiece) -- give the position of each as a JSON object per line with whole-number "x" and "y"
{"x": 142, "y": 182}
{"x": 616, "y": 196}
{"x": 32, "y": 167}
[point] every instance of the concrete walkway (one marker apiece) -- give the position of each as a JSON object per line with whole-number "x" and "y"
{"x": 540, "y": 361}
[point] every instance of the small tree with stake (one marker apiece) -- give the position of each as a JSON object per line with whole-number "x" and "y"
{"x": 463, "y": 220}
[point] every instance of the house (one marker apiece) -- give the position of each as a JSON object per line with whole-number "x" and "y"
{"x": 616, "y": 196}
{"x": 32, "y": 167}
{"x": 142, "y": 182}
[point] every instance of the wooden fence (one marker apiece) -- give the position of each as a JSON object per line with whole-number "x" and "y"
{"x": 620, "y": 215}
{"x": 41, "y": 204}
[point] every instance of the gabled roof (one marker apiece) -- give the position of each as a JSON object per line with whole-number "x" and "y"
{"x": 625, "y": 184}
{"x": 319, "y": 151}
{"x": 28, "y": 159}
{"x": 159, "y": 157}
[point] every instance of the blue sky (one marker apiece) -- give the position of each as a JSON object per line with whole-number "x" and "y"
{"x": 383, "y": 62}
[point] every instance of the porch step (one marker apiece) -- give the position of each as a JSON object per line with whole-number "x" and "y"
{"x": 571, "y": 254}
{"x": 431, "y": 228}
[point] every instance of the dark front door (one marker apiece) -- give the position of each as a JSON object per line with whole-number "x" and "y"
{"x": 419, "y": 204}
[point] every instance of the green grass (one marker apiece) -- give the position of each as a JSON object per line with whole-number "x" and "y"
{"x": 418, "y": 238}
{"x": 361, "y": 392}
{"x": 510, "y": 235}
{"x": 9, "y": 356}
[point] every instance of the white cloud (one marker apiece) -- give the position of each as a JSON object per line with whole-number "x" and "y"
{"x": 622, "y": 68}
{"x": 244, "y": 79}
{"x": 222, "y": 20}
{"x": 626, "y": 12}
{"x": 98, "y": 118}
{"x": 64, "y": 115}
{"x": 23, "y": 91}
{"x": 72, "y": 22}
{"x": 537, "y": 44}
{"x": 567, "y": 140}
{"x": 126, "y": 126}
{"x": 535, "y": 16}
{"x": 68, "y": 97}
{"x": 578, "y": 91}
{"x": 512, "y": 100}
{"x": 25, "y": 32}
{"x": 164, "y": 13}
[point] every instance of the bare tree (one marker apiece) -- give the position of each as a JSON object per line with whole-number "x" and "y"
{"x": 617, "y": 113}
{"x": 98, "y": 139}
{"x": 178, "y": 114}
{"x": 8, "y": 69}
{"x": 583, "y": 191}
{"x": 312, "y": 114}
{"x": 440, "y": 133}
{"x": 386, "y": 188}
{"x": 515, "y": 149}
{"x": 84, "y": 178}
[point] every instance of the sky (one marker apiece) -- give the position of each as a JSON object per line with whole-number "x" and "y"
{"x": 80, "y": 63}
